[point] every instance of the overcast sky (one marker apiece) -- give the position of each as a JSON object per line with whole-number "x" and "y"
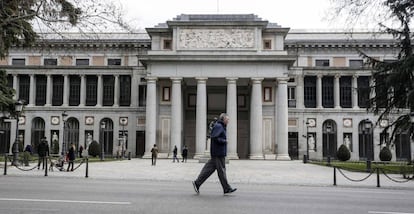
{"x": 296, "y": 14}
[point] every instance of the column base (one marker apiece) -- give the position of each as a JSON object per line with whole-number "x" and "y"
{"x": 270, "y": 156}
{"x": 283, "y": 157}
{"x": 232, "y": 156}
{"x": 147, "y": 155}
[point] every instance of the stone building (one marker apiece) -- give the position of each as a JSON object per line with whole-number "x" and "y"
{"x": 288, "y": 92}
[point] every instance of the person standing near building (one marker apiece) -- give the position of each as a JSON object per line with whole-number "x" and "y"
{"x": 218, "y": 152}
{"x": 80, "y": 151}
{"x": 154, "y": 152}
{"x": 71, "y": 157}
{"x": 175, "y": 151}
{"x": 184, "y": 153}
{"x": 42, "y": 151}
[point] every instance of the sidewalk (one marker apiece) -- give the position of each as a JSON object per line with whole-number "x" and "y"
{"x": 238, "y": 171}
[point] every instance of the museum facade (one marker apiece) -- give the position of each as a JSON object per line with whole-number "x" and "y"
{"x": 288, "y": 92}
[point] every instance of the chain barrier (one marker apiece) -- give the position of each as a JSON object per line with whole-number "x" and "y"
{"x": 393, "y": 179}
{"x": 354, "y": 180}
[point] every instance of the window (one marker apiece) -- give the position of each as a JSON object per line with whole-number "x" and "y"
{"x": 322, "y": 62}
{"x": 142, "y": 95}
{"x": 82, "y": 62}
{"x": 292, "y": 97}
{"x": 10, "y": 81}
{"x": 74, "y": 90}
{"x": 267, "y": 94}
{"x": 41, "y": 85}
{"x": 57, "y": 98}
{"x": 91, "y": 90}
{"x": 125, "y": 90}
{"x": 327, "y": 92}
{"x": 381, "y": 91}
{"x": 345, "y": 92}
{"x": 49, "y": 61}
{"x": 114, "y": 62}
{"x": 166, "y": 94}
{"x": 267, "y": 44}
{"x": 18, "y": 61}
{"x": 167, "y": 44}
{"x": 310, "y": 91}
{"x": 356, "y": 63}
{"x": 108, "y": 90}
{"x": 363, "y": 91}
{"x": 24, "y": 87}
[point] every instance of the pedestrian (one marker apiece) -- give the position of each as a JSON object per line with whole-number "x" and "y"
{"x": 175, "y": 155}
{"x": 184, "y": 153}
{"x": 154, "y": 152}
{"x": 29, "y": 149}
{"x": 42, "y": 151}
{"x": 218, "y": 152}
{"x": 80, "y": 151}
{"x": 71, "y": 157}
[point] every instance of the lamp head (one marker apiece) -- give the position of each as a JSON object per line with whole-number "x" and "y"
{"x": 18, "y": 106}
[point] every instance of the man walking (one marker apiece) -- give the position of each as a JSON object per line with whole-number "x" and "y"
{"x": 218, "y": 152}
{"x": 43, "y": 152}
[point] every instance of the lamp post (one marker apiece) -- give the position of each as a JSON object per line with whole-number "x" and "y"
{"x": 64, "y": 116}
{"x": 412, "y": 127}
{"x": 307, "y": 142}
{"x": 18, "y": 108}
{"x": 328, "y": 131}
{"x": 103, "y": 125}
{"x": 366, "y": 131}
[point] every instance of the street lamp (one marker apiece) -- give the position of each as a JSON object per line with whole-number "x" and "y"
{"x": 366, "y": 131}
{"x": 412, "y": 126}
{"x": 103, "y": 125}
{"x": 307, "y": 142}
{"x": 18, "y": 108}
{"x": 64, "y": 116}
{"x": 328, "y": 131}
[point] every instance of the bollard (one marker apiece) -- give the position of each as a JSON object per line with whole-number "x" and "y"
{"x": 305, "y": 158}
{"x": 329, "y": 161}
{"x": 45, "y": 162}
{"x": 87, "y": 167}
{"x": 368, "y": 166}
{"x": 334, "y": 176}
{"x": 129, "y": 155}
{"x": 378, "y": 178}
{"x": 5, "y": 164}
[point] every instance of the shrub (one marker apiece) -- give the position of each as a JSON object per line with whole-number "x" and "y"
{"x": 94, "y": 149}
{"x": 385, "y": 154}
{"x": 343, "y": 153}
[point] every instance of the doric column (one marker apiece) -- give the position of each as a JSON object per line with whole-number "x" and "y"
{"x": 256, "y": 118}
{"x": 201, "y": 117}
{"x": 372, "y": 87}
{"x": 151, "y": 116}
{"x": 319, "y": 91}
{"x": 116, "y": 90}
{"x": 300, "y": 101}
{"x": 355, "y": 92}
{"x": 282, "y": 120}
{"x": 232, "y": 112}
{"x": 16, "y": 86}
{"x": 134, "y": 90}
{"x": 100, "y": 91}
{"x": 176, "y": 114}
{"x": 65, "y": 90}
{"x": 32, "y": 93}
{"x": 49, "y": 90}
{"x": 336, "y": 91}
{"x": 83, "y": 90}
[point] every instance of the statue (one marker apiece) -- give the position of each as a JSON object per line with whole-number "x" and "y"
{"x": 312, "y": 143}
{"x": 347, "y": 142}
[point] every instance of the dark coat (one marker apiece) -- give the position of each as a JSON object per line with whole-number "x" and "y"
{"x": 71, "y": 153}
{"x": 218, "y": 135}
{"x": 43, "y": 149}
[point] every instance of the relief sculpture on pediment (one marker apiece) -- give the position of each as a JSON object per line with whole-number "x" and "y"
{"x": 216, "y": 38}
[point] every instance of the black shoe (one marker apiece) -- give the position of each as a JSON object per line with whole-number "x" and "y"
{"x": 196, "y": 187}
{"x": 230, "y": 191}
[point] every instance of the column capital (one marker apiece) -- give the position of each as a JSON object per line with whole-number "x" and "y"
{"x": 337, "y": 76}
{"x": 232, "y": 79}
{"x": 151, "y": 79}
{"x": 282, "y": 80}
{"x": 201, "y": 79}
{"x": 319, "y": 76}
{"x": 257, "y": 80}
{"x": 176, "y": 79}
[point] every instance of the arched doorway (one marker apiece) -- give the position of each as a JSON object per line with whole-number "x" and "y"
{"x": 366, "y": 144}
{"x": 4, "y": 136}
{"x": 107, "y": 135}
{"x": 38, "y": 131}
{"x": 72, "y": 126}
{"x": 329, "y": 139}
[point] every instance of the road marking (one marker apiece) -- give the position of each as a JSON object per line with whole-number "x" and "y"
{"x": 65, "y": 201}
{"x": 378, "y": 212}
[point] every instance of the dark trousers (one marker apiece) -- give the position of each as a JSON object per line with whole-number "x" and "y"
{"x": 154, "y": 160}
{"x": 215, "y": 163}
{"x": 70, "y": 163}
{"x": 41, "y": 160}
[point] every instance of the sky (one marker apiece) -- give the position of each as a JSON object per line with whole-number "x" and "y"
{"x": 296, "y": 14}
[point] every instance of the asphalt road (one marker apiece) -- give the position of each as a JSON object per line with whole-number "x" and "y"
{"x": 84, "y": 195}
